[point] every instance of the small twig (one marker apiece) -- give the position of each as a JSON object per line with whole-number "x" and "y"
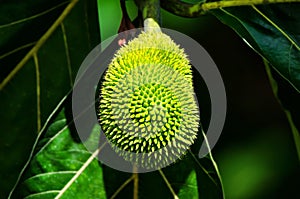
{"x": 210, "y": 155}
{"x": 202, "y": 167}
{"x": 135, "y": 183}
{"x": 168, "y": 184}
{"x": 122, "y": 187}
{"x": 135, "y": 179}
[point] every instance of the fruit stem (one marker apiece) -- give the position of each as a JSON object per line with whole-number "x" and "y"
{"x": 149, "y": 9}
{"x": 135, "y": 182}
{"x": 150, "y": 25}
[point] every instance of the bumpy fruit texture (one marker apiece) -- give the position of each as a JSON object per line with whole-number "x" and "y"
{"x": 147, "y": 107}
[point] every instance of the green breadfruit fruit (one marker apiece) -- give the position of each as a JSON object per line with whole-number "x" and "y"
{"x": 147, "y": 104}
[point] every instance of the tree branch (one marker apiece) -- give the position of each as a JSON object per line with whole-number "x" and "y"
{"x": 182, "y": 9}
{"x": 195, "y": 10}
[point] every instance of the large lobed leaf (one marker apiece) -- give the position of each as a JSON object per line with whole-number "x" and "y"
{"x": 28, "y": 97}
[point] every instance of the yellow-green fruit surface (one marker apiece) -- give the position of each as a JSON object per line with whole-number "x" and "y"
{"x": 147, "y": 101}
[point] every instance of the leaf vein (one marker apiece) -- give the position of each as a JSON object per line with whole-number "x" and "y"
{"x": 41, "y": 193}
{"x": 242, "y": 23}
{"x": 289, "y": 60}
{"x": 16, "y": 50}
{"x": 67, "y": 53}
{"x": 50, "y": 173}
{"x": 40, "y": 43}
{"x": 79, "y": 172}
{"x": 38, "y": 92}
{"x": 51, "y": 139}
{"x": 277, "y": 27}
{"x": 33, "y": 16}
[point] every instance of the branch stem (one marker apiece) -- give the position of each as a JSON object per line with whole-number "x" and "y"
{"x": 197, "y": 9}
{"x": 233, "y": 3}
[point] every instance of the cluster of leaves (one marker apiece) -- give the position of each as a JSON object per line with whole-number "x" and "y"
{"x": 42, "y": 46}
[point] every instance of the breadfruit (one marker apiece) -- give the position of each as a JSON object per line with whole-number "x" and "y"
{"x": 147, "y": 107}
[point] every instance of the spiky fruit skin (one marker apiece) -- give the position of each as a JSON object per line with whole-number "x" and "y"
{"x": 147, "y": 105}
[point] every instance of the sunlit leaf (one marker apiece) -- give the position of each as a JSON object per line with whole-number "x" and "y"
{"x": 61, "y": 166}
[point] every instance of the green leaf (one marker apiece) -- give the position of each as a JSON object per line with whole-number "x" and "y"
{"x": 273, "y": 31}
{"x": 61, "y": 165}
{"x": 45, "y": 59}
{"x": 190, "y": 187}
